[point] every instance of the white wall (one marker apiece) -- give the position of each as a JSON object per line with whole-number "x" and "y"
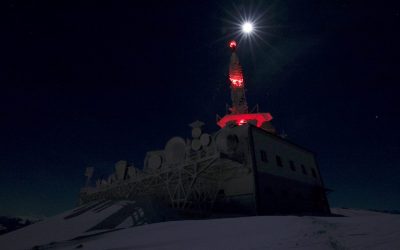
{"x": 276, "y": 146}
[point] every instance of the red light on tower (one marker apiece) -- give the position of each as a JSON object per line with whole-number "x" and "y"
{"x": 236, "y": 83}
{"x": 241, "y": 119}
{"x": 232, "y": 44}
{"x": 241, "y": 122}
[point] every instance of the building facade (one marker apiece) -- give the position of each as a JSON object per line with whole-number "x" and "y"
{"x": 244, "y": 168}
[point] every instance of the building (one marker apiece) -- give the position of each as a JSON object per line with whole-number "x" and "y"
{"x": 244, "y": 168}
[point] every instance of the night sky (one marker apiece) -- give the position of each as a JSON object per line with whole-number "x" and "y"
{"x": 90, "y": 84}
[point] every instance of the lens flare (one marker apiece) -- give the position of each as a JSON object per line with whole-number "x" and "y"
{"x": 247, "y": 27}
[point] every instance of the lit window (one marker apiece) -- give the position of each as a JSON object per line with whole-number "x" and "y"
{"x": 264, "y": 156}
{"x": 303, "y": 169}
{"x": 292, "y": 167}
{"x": 279, "y": 161}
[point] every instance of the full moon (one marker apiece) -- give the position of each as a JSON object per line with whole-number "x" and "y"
{"x": 247, "y": 27}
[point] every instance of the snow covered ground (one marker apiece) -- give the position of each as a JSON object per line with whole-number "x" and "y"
{"x": 8, "y": 223}
{"x": 88, "y": 228}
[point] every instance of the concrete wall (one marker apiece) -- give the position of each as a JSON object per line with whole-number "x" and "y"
{"x": 280, "y": 189}
{"x": 273, "y": 146}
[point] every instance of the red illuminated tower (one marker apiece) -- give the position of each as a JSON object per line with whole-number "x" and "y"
{"x": 239, "y": 103}
{"x": 239, "y": 112}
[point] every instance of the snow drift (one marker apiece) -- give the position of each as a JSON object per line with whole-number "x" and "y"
{"x": 108, "y": 225}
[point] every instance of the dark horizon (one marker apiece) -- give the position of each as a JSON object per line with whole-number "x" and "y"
{"x": 91, "y": 84}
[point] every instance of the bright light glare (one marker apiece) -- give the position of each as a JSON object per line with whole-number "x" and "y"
{"x": 247, "y": 27}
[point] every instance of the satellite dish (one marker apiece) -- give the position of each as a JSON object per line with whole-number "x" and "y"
{"x": 196, "y": 144}
{"x": 154, "y": 161}
{"x": 227, "y": 142}
{"x": 175, "y": 150}
{"x": 205, "y": 140}
{"x": 132, "y": 172}
{"x": 196, "y": 132}
{"x": 111, "y": 179}
{"x": 120, "y": 167}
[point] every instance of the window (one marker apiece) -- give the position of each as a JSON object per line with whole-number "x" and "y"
{"x": 292, "y": 167}
{"x": 264, "y": 156}
{"x": 314, "y": 173}
{"x": 279, "y": 161}
{"x": 303, "y": 169}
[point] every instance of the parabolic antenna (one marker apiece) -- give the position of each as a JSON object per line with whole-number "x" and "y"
{"x": 205, "y": 140}
{"x": 196, "y": 144}
{"x": 175, "y": 150}
{"x": 132, "y": 171}
{"x": 196, "y": 132}
{"x": 227, "y": 142}
{"x": 120, "y": 167}
{"x": 111, "y": 179}
{"x": 154, "y": 161}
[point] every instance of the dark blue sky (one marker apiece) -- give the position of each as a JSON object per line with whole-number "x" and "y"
{"x": 90, "y": 84}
